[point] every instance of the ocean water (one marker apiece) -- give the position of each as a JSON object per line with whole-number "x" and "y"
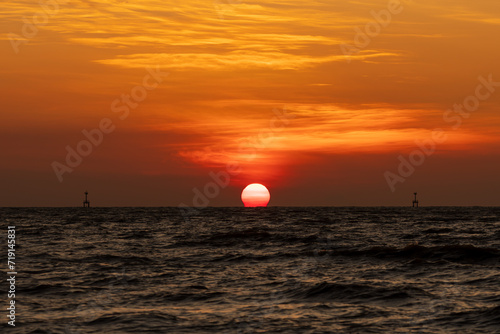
{"x": 256, "y": 270}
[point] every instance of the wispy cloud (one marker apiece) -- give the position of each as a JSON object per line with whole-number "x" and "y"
{"x": 231, "y": 60}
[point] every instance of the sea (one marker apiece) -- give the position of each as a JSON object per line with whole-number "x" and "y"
{"x": 254, "y": 270}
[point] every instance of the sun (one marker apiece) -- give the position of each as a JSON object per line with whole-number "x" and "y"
{"x": 255, "y": 194}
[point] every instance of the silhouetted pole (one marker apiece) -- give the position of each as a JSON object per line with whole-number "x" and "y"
{"x": 86, "y": 203}
{"x": 415, "y": 201}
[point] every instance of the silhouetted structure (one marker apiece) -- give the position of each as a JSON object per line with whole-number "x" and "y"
{"x": 86, "y": 203}
{"x": 415, "y": 201}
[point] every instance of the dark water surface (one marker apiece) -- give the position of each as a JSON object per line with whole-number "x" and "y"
{"x": 263, "y": 270}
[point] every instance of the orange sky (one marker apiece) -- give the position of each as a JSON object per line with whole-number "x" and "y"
{"x": 234, "y": 68}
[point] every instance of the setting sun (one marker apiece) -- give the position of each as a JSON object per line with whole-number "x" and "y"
{"x": 254, "y": 195}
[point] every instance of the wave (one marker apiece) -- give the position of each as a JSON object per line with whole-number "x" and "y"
{"x": 108, "y": 258}
{"x": 198, "y": 295}
{"x": 252, "y": 233}
{"x": 338, "y": 291}
{"x": 127, "y": 318}
{"x": 46, "y": 288}
{"x": 438, "y": 230}
{"x": 453, "y": 253}
{"x": 414, "y": 253}
{"x": 236, "y": 237}
{"x": 486, "y": 319}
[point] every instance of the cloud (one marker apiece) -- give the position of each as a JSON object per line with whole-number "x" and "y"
{"x": 232, "y": 60}
{"x": 319, "y": 128}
